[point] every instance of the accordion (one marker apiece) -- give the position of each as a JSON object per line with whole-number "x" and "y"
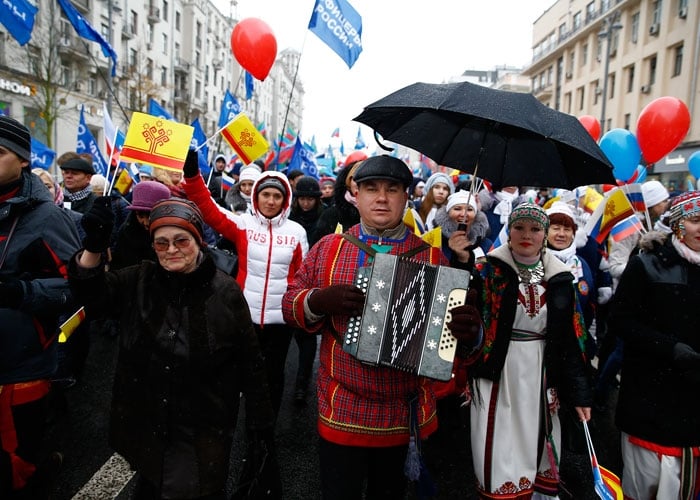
{"x": 403, "y": 323}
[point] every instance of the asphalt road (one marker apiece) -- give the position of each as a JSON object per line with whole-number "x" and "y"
{"x": 79, "y": 430}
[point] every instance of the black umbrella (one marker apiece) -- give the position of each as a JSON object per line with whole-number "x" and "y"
{"x": 510, "y": 137}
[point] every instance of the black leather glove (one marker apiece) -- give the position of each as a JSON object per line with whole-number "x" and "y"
{"x": 11, "y": 294}
{"x": 685, "y": 357}
{"x": 337, "y": 299}
{"x": 98, "y": 223}
{"x": 465, "y": 324}
{"x": 191, "y": 168}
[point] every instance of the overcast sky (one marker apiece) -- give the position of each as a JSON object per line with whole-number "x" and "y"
{"x": 404, "y": 41}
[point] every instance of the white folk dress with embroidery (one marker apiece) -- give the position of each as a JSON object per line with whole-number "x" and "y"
{"x": 513, "y": 436}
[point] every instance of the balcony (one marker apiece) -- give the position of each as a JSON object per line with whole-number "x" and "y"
{"x": 128, "y": 31}
{"x": 544, "y": 92}
{"x": 180, "y": 65}
{"x": 181, "y": 96}
{"x": 73, "y": 47}
{"x": 153, "y": 14}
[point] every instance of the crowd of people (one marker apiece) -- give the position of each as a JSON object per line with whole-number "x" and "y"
{"x": 552, "y": 320}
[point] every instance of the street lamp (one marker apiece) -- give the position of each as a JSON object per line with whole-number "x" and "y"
{"x": 610, "y": 25}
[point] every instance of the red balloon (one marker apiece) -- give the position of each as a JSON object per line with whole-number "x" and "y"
{"x": 662, "y": 125}
{"x": 254, "y": 46}
{"x": 592, "y": 125}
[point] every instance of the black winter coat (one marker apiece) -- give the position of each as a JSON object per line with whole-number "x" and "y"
{"x": 187, "y": 349}
{"x": 655, "y": 306}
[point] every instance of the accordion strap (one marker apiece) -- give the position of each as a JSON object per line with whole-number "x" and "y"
{"x": 372, "y": 252}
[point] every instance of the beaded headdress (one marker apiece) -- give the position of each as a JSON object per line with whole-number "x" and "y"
{"x": 684, "y": 205}
{"x": 530, "y": 211}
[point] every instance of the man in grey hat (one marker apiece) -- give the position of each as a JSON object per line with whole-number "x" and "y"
{"x": 76, "y": 184}
{"x": 37, "y": 239}
{"x": 365, "y": 411}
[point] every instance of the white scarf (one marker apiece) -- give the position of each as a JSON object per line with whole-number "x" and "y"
{"x": 505, "y": 205}
{"x": 568, "y": 256}
{"x": 692, "y": 256}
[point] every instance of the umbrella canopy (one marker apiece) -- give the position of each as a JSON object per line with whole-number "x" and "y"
{"x": 512, "y": 138}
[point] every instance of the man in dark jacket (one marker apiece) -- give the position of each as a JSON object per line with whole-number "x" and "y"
{"x": 76, "y": 184}
{"x": 37, "y": 238}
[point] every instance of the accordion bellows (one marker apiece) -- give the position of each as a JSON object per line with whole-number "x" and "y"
{"x": 403, "y": 324}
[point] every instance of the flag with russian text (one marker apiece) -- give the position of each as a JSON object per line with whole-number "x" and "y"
{"x": 303, "y": 159}
{"x": 157, "y": 141}
{"x": 85, "y": 30}
{"x": 18, "y": 17}
{"x": 339, "y": 26}
{"x": 42, "y": 155}
{"x": 230, "y": 107}
{"x": 156, "y": 109}
{"x": 245, "y": 139}
{"x": 199, "y": 138}
{"x": 114, "y": 138}
{"x": 87, "y": 144}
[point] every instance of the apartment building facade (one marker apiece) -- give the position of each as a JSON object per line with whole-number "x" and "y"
{"x": 610, "y": 58}
{"x": 177, "y": 52}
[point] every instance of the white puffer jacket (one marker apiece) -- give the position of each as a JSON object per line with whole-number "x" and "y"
{"x": 269, "y": 250}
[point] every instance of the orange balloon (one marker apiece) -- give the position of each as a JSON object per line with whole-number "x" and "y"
{"x": 592, "y": 125}
{"x": 661, "y": 126}
{"x": 254, "y": 46}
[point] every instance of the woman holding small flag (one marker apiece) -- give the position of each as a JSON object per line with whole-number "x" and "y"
{"x": 531, "y": 363}
{"x": 654, "y": 313}
{"x": 187, "y": 350}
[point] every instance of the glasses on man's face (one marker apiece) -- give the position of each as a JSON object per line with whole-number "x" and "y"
{"x": 162, "y": 245}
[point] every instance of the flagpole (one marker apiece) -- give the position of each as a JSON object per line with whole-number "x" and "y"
{"x": 109, "y": 162}
{"x": 291, "y": 94}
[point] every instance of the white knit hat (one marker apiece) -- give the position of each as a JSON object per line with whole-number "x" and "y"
{"x": 559, "y": 207}
{"x": 462, "y": 197}
{"x": 654, "y": 193}
{"x": 249, "y": 174}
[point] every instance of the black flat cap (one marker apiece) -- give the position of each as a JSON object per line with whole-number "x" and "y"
{"x": 383, "y": 167}
{"x": 78, "y": 164}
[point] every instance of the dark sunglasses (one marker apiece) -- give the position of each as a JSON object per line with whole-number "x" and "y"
{"x": 162, "y": 245}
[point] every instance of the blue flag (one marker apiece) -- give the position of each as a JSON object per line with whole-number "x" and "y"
{"x": 339, "y": 26}
{"x": 88, "y": 32}
{"x": 156, "y": 109}
{"x": 88, "y": 144}
{"x": 18, "y": 17}
{"x": 199, "y": 137}
{"x": 359, "y": 141}
{"x": 249, "y": 86}
{"x": 42, "y": 156}
{"x": 229, "y": 109}
{"x": 303, "y": 159}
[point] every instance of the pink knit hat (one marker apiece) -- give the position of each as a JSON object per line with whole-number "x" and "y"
{"x": 146, "y": 194}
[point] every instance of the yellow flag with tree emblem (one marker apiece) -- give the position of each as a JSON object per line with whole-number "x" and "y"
{"x": 245, "y": 139}
{"x": 157, "y": 141}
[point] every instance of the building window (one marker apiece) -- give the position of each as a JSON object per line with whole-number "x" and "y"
{"x": 165, "y": 10}
{"x": 149, "y": 68}
{"x": 584, "y": 54}
{"x": 590, "y": 12}
{"x": 165, "y": 43}
{"x": 604, "y": 6}
{"x": 567, "y": 102}
{"x": 581, "y": 91}
{"x": 104, "y": 31}
{"x": 652, "y": 70}
{"x": 133, "y": 56}
{"x": 163, "y": 76}
{"x": 92, "y": 86}
{"x": 178, "y": 20}
{"x": 572, "y": 61}
{"x": 577, "y": 21}
{"x": 66, "y": 75}
{"x": 656, "y": 12}
{"x": 133, "y": 22}
{"x": 634, "y": 31}
{"x": 611, "y": 85}
{"x": 630, "y": 79}
{"x": 595, "y": 88}
{"x": 628, "y": 120}
{"x": 562, "y": 32}
{"x": 197, "y": 88}
{"x": 677, "y": 60}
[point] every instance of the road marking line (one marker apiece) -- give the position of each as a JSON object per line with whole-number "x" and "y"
{"x": 107, "y": 482}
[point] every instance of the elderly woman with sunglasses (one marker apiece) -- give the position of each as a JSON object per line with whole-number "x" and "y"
{"x": 187, "y": 350}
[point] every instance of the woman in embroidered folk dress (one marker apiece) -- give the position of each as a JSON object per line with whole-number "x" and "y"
{"x": 655, "y": 313}
{"x": 532, "y": 351}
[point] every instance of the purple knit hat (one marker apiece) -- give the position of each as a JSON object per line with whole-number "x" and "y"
{"x": 146, "y": 194}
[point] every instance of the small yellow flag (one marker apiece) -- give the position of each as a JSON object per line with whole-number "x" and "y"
{"x": 410, "y": 220}
{"x": 156, "y": 141}
{"x": 71, "y": 324}
{"x": 245, "y": 139}
{"x": 124, "y": 182}
{"x": 433, "y": 237}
